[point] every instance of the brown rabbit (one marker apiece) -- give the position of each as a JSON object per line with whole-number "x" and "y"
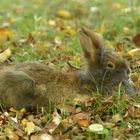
{"x": 30, "y": 83}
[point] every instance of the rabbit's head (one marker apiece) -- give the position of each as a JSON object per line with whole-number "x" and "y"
{"x": 106, "y": 68}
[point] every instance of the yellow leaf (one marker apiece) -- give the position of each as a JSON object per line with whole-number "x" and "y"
{"x": 126, "y": 29}
{"x": 134, "y": 52}
{"x": 63, "y": 14}
{"x": 30, "y": 127}
{"x": 52, "y": 22}
{"x": 69, "y": 31}
{"x": 9, "y": 134}
{"x": 5, "y": 33}
{"x": 23, "y": 110}
{"x": 5, "y": 55}
{"x": 24, "y": 122}
{"x": 13, "y": 110}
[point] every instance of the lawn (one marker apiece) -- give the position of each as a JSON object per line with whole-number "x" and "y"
{"x": 47, "y": 31}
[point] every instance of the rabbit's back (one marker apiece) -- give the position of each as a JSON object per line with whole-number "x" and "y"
{"x": 36, "y": 84}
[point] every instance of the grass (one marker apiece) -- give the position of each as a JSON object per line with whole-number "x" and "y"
{"x": 32, "y": 17}
{"x": 55, "y": 43}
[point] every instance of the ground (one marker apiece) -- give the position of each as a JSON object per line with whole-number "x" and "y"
{"x": 44, "y": 30}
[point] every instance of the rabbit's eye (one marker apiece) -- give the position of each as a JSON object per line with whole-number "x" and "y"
{"x": 110, "y": 65}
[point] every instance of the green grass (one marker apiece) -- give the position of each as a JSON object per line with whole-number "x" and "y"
{"x": 32, "y": 17}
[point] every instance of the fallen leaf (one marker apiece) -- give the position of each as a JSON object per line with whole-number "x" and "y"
{"x": 30, "y": 127}
{"x": 13, "y": 120}
{"x": 96, "y": 127}
{"x": 98, "y": 130}
{"x": 126, "y": 29}
{"x": 24, "y": 122}
{"x": 64, "y": 14}
{"x": 19, "y": 133}
{"x": 134, "y": 52}
{"x": 82, "y": 118}
{"x": 134, "y": 111}
{"x": 69, "y": 31}
{"x": 117, "y": 118}
{"x": 31, "y": 39}
{"x": 136, "y": 39}
{"x": 57, "y": 40}
{"x": 56, "y": 118}
{"x": 5, "y": 33}
{"x": 54, "y": 123}
{"x": 10, "y": 134}
{"x": 42, "y": 137}
{"x": 52, "y": 22}
{"x": 5, "y": 55}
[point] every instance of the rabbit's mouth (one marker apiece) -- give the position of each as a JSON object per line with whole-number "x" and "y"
{"x": 110, "y": 85}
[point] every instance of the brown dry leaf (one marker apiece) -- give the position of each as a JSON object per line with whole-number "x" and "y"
{"x": 66, "y": 121}
{"x": 134, "y": 111}
{"x": 134, "y": 52}
{"x": 5, "y": 55}
{"x": 64, "y": 14}
{"x": 90, "y": 102}
{"x": 107, "y": 100}
{"x": 5, "y": 33}
{"x": 19, "y": 133}
{"x": 136, "y": 39}
{"x": 54, "y": 123}
{"x": 82, "y": 118}
{"x": 31, "y": 39}
{"x": 128, "y": 130}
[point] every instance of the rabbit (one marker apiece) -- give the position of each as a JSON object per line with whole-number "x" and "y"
{"x": 30, "y": 84}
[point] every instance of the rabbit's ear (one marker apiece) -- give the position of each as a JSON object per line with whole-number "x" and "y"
{"x": 91, "y": 44}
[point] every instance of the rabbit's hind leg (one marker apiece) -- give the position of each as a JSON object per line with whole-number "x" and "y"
{"x": 16, "y": 89}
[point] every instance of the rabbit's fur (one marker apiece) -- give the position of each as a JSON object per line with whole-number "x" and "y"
{"x": 30, "y": 83}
